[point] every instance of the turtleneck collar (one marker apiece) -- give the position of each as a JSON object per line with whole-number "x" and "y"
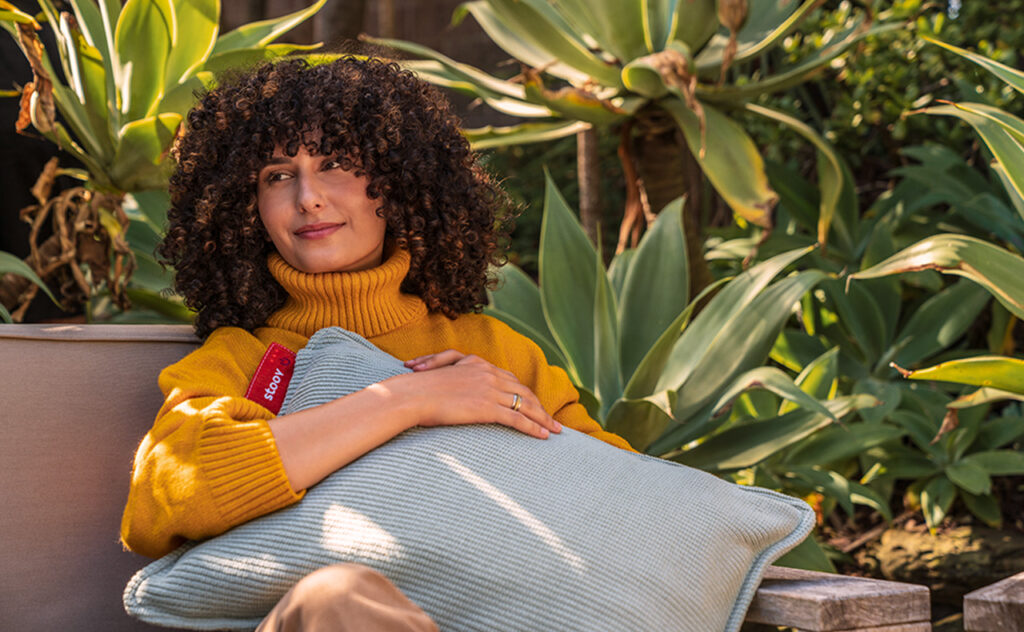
{"x": 368, "y": 302}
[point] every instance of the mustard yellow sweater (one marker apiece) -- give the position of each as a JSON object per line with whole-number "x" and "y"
{"x": 210, "y": 461}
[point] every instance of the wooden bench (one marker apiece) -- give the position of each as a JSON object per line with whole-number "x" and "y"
{"x": 821, "y": 602}
{"x": 74, "y": 403}
{"x": 998, "y": 607}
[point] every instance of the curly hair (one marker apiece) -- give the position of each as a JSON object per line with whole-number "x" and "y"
{"x": 382, "y": 122}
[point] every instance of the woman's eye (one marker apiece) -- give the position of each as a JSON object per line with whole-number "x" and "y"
{"x": 332, "y": 164}
{"x": 275, "y": 176}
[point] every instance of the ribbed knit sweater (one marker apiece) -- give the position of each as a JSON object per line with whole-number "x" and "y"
{"x": 210, "y": 461}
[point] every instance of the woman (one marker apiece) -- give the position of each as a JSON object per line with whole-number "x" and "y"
{"x": 305, "y": 197}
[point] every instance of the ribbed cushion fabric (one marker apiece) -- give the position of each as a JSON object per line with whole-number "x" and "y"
{"x": 488, "y": 529}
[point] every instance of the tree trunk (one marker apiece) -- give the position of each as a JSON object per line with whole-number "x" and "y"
{"x": 668, "y": 170}
{"x": 339, "y": 21}
{"x": 589, "y": 175}
{"x": 386, "y": 22}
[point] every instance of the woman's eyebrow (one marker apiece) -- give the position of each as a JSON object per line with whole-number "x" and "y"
{"x": 277, "y": 160}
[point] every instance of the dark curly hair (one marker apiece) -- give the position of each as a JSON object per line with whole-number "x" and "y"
{"x": 381, "y": 121}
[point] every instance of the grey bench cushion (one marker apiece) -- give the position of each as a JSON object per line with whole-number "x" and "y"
{"x": 489, "y": 529}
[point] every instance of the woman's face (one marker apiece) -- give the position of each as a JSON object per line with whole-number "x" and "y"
{"x": 318, "y": 215}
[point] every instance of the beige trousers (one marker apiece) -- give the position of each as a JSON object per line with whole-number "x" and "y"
{"x": 346, "y": 598}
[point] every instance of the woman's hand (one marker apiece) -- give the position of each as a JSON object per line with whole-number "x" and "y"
{"x": 452, "y": 388}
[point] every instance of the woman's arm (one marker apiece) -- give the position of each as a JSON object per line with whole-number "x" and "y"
{"x": 317, "y": 441}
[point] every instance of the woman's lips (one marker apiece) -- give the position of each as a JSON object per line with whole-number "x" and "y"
{"x": 317, "y": 231}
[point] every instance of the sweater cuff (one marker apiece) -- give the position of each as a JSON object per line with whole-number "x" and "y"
{"x": 243, "y": 469}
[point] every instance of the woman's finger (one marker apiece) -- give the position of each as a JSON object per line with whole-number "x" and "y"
{"x": 526, "y": 404}
{"x": 435, "y": 360}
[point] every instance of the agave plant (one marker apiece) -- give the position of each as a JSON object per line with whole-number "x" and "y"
{"x": 662, "y": 67}
{"x": 127, "y": 76}
{"x": 625, "y": 337}
{"x": 998, "y": 271}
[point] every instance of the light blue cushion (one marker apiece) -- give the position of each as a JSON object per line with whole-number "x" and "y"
{"x": 489, "y": 529}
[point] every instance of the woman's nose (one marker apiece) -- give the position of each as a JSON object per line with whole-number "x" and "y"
{"x": 310, "y": 195}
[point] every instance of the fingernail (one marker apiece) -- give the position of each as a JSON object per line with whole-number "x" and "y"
{"x": 558, "y": 427}
{"x": 543, "y": 433}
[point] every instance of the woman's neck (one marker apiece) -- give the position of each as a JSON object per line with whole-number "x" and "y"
{"x": 368, "y": 302}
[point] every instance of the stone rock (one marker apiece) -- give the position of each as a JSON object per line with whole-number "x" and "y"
{"x": 951, "y": 563}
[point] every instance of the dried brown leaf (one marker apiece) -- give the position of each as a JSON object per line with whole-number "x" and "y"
{"x": 42, "y": 86}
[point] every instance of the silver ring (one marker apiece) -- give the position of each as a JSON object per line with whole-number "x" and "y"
{"x": 517, "y": 402}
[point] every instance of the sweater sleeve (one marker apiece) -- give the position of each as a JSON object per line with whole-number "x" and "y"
{"x": 210, "y": 461}
{"x": 551, "y": 385}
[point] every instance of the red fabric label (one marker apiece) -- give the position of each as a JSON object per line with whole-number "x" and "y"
{"x": 270, "y": 383}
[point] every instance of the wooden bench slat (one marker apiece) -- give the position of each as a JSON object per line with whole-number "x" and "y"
{"x": 997, "y": 607}
{"x": 823, "y": 602}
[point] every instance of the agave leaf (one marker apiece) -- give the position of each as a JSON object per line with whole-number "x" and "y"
{"x": 80, "y": 121}
{"x": 984, "y": 507}
{"x": 969, "y": 476}
{"x": 693, "y": 23}
{"x": 749, "y": 444}
{"x": 639, "y": 418}
{"x": 936, "y": 499}
{"x": 660, "y": 20}
{"x": 938, "y": 323}
{"x": 1002, "y": 132}
{"x": 90, "y": 21}
{"x": 718, "y": 315}
{"x": 742, "y": 342}
{"x": 984, "y": 395}
{"x": 1013, "y": 77}
{"x": 830, "y": 173}
{"x": 568, "y": 278}
{"x": 139, "y": 163}
{"x": 768, "y": 21}
{"x": 999, "y": 271}
{"x": 819, "y": 380}
{"x": 774, "y": 380}
{"x": 616, "y": 26}
{"x": 63, "y": 140}
{"x": 91, "y": 85}
{"x": 181, "y": 98}
{"x": 608, "y": 377}
{"x": 618, "y": 269}
{"x": 490, "y": 136}
{"x": 9, "y": 264}
{"x": 195, "y": 32}
{"x": 531, "y": 37}
{"x": 11, "y": 13}
{"x": 257, "y": 34}
{"x": 571, "y": 102}
{"x": 729, "y": 159}
{"x": 997, "y": 462}
{"x": 219, "y": 62}
{"x": 836, "y": 443}
{"x": 809, "y": 556}
{"x": 1016, "y": 196}
{"x": 144, "y": 36}
{"x": 644, "y": 379}
{"x": 859, "y": 314}
{"x": 519, "y": 296}
{"x": 643, "y": 78}
{"x": 552, "y": 353}
{"x": 464, "y": 72}
{"x": 843, "y": 490}
{"x": 656, "y": 288}
{"x": 998, "y": 432}
{"x": 795, "y": 349}
{"x": 997, "y": 372}
{"x": 788, "y": 77}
